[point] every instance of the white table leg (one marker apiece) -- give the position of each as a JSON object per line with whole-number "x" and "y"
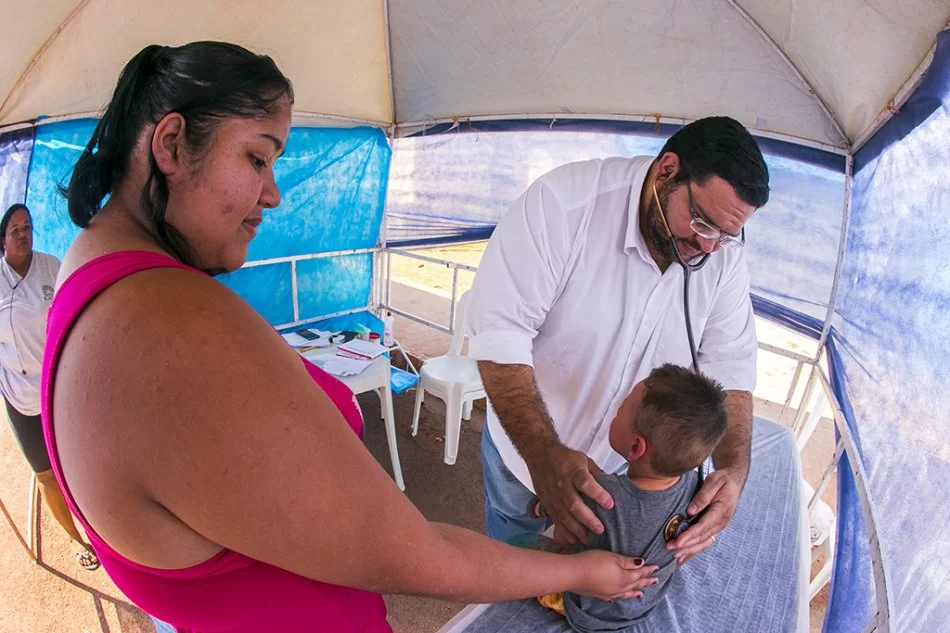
{"x": 389, "y": 419}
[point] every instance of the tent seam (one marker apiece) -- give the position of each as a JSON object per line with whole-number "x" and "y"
{"x": 781, "y": 53}
{"x": 839, "y": 265}
{"x": 43, "y": 48}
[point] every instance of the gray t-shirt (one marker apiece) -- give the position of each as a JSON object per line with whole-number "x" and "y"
{"x": 634, "y": 527}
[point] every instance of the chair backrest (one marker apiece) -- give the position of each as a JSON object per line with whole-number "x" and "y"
{"x": 458, "y": 326}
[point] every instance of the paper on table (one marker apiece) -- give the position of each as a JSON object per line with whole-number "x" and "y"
{"x": 338, "y": 365}
{"x": 356, "y": 347}
{"x": 298, "y": 341}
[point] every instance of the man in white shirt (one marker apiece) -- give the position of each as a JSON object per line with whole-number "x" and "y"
{"x": 579, "y": 295}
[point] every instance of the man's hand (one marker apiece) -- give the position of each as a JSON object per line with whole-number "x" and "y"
{"x": 720, "y": 493}
{"x": 560, "y": 476}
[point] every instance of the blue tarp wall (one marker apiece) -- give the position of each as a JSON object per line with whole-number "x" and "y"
{"x": 890, "y": 343}
{"x": 333, "y": 186}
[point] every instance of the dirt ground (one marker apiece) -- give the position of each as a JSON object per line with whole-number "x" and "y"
{"x": 57, "y": 596}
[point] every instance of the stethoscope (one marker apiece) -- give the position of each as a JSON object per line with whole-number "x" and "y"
{"x": 679, "y": 523}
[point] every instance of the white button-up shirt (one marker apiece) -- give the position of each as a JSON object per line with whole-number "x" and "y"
{"x": 567, "y": 286}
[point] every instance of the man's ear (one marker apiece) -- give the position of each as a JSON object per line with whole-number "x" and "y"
{"x": 168, "y": 144}
{"x": 668, "y": 165}
{"x": 637, "y": 449}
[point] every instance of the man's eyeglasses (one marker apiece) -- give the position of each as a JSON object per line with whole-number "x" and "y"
{"x": 705, "y": 230}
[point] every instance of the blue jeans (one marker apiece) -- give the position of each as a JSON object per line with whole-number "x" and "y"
{"x": 506, "y": 498}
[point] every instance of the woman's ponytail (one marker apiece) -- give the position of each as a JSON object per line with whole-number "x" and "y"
{"x": 101, "y": 164}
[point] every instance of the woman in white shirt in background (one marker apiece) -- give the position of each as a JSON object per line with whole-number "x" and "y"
{"x": 26, "y": 292}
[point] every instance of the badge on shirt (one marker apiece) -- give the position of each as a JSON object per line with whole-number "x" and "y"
{"x": 47, "y": 293}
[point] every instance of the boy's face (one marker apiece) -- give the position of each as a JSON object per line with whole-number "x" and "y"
{"x": 622, "y": 433}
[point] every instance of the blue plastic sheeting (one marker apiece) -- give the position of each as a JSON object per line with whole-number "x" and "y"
{"x": 892, "y": 331}
{"x": 333, "y": 187}
{"x": 851, "y": 602}
{"x": 324, "y": 286}
{"x": 348, "y": 322}
{"x": 334, "y": 284}
{"x": 929, "y": 97}
{"x": 455, "y": 186}
{"x": 267, "y": 288}
{"x": 56, "y": 149}
{"x": 852, "y": 599}
{"x": 15, "y": 150}
{"x": 795, "y": 321}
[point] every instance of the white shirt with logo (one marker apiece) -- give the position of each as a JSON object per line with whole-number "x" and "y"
{"x": 24, "y": 305}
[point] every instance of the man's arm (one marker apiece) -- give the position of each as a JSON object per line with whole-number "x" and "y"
{"x": 734, "y": 452}
{"x": 558, "y": 473}
{"x": 515, "y": 288}
{"x": 514, "y": 395}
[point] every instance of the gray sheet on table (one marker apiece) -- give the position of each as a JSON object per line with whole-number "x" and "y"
{"x": 748, "y": 581}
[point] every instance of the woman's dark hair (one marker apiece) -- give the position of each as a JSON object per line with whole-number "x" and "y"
{"x": 204, "y": 82}
{"x": 720, "y": 146}
{"x": 5, "y": 222}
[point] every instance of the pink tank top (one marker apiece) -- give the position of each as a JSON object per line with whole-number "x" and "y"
{"x": 229, "y": 593}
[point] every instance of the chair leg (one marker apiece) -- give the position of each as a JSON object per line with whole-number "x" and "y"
{"x": 382, "y": 404}
{"x": 467, "y": 410}
{"x": 420, "y": 392}
{"x": 453, "y": 425}
{"x": 386, "y": 397}
{"x": 35, "y": 510}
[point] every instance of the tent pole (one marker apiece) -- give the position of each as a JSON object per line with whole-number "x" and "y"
{"x": 293, "y": 289}
{"x": 842, "y": 242}
{"x": 42, "y": 50}
{"x": 900, "y": 98}
{"x": 411, "y": 127}
{"x": 778, "y": 51}
{"x": 391, "y": 132}
{"x": 298, "y": 258}
{"x": 884, "y": 606}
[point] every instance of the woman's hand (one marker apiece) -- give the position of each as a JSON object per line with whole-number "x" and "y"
{"x": 611, "y": 576}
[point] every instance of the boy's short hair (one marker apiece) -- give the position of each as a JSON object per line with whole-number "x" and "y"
{"x": 682, "y": 415}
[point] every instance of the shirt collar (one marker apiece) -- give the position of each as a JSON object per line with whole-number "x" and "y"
{"x": 634, "y": 239}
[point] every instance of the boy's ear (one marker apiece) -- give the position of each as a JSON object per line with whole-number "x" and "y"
{"x": 637, "y": 449}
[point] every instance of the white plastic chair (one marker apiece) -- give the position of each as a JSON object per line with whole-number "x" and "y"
{"x": 821, "y": 518}
{"x": 455, "y": 380}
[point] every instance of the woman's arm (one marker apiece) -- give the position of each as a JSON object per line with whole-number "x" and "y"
{"x": 220, "y": 424}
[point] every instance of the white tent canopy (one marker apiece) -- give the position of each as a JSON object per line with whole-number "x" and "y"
{"x": 823, "y": 72}
{"x": 867, "y": 278}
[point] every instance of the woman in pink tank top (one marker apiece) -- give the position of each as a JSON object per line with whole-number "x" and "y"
{"x": 220, "y": 478}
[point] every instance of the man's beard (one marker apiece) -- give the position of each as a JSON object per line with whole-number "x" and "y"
{"x": 657, "y": 236}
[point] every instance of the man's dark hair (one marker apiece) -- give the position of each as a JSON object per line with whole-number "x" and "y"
{"x": 720, "y": 146}
{"x": 682, "y": 415}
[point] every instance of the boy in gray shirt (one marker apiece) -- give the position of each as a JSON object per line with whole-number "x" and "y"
{"x": 666, "y": 428}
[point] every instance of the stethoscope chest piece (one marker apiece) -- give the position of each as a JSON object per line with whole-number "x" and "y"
{"x": 674, "y": 527}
